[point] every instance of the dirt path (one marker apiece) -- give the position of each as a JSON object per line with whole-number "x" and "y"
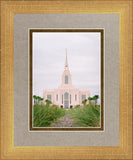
{"x": 65, "y": 121}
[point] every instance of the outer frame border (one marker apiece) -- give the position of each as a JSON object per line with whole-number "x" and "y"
{"x": 8, "y": 9}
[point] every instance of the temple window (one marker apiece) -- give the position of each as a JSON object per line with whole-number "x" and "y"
{"x": 83, "y": 97}
{"x": 57, "y": 97}
{"x": 66, "y": 79}
{"x": 75, "y": 97}
{"x": 70, "y": 99}
{"x": 62, "y": 99}
{"x": 66, "y": 95}
{"x": 49, "y": 97}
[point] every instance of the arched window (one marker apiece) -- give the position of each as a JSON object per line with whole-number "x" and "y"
{"x": 57, "y": 97}
{"x": 62, "y": 98}
{"x": 49, "y": 97}
{"x": 70, "y": 99}
{"x": 66, "y": 79}
{"x": 66, "y": 95}
{"x": 75, "y": 97}
{"x": 83, "y": 97}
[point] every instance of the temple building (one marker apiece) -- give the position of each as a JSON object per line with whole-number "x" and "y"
{"x": 66, "y": 95}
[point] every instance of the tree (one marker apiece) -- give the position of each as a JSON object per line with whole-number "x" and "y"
{"x": 95, "y": 98}
{"x": 48, "y": 102}
{"x": 37, "y": 98}
{"x": 34, "y": 99}
{"x": 42, "y": 99}
{"x": 84, "y": 102}
{"x": 90, "y": 98}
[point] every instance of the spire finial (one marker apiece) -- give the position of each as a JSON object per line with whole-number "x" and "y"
{"x": 66, "y": 64}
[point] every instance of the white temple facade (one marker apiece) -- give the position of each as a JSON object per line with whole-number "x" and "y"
{"x": 66, "y": 95}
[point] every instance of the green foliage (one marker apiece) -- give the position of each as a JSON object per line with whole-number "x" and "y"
{"x": 95, "y": 98}
{"x": 37, "y": 99}
{"x": 48, "y": 102}
{"x": 90, "y": 99}
{"x": 87, "y": 116}
{"x": 84, "y": 101}
{"x": 77, "y": 106}
{"x": 44, "y": 115}
{"x": 34, "y": 97}
{"x": 42, "y": 99}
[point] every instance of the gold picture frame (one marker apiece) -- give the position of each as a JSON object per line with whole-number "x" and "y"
{"x": 8, "y": 9}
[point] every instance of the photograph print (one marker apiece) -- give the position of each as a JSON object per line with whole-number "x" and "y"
{"x": 66, "y": 79}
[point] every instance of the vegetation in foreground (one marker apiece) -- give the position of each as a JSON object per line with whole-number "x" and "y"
{"x": 86, "y": 116}
{"x": 45, "y": 115}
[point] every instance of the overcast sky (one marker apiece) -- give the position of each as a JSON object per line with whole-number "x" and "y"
{"x": 49, "y": 52}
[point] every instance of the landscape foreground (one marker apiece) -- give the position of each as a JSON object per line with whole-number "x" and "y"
{"x": 52, "y": 116}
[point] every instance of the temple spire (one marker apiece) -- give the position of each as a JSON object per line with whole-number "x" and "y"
{"x": 66, "y": 63}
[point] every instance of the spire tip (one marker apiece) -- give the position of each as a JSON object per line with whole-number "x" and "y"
{"x": 66, "y": 63}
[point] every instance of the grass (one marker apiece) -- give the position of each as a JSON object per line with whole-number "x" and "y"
{"x": 86, "y": 116}
{"x": 44, "y": 115}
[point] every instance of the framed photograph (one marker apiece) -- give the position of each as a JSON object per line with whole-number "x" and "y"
{"x": 66, "y": 79}
{"x": 66, "y": 107}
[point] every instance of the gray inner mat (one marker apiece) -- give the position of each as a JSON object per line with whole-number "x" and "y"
{"x": 108, "y": 137}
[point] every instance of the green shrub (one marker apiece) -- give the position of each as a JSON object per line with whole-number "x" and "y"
{"x": 87, "y": 116}
{"x": 44, "y": 115}
{"x": 77, "y": 106}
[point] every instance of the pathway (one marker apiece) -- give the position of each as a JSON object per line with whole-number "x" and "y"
{"x": 65, "y": 121}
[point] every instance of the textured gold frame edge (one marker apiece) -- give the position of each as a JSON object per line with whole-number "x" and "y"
{"x": 124, "y": 8}
{"x": 31, "y": 31}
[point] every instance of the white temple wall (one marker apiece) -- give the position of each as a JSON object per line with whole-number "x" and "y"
{"x": 72, "y": 92}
